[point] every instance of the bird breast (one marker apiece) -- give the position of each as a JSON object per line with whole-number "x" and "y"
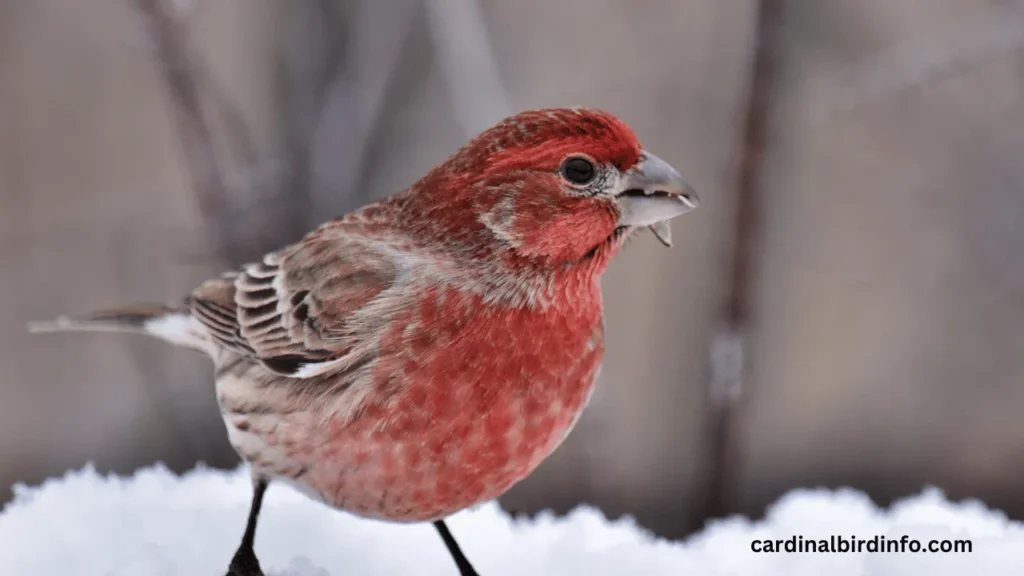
{"x": 465, "y": 400}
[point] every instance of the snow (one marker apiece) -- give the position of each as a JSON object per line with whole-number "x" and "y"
{"x": 160, "y": 524}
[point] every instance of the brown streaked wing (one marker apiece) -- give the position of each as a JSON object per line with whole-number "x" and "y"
{"x": 292, "y": 311}
{"x": 213, "y": 305}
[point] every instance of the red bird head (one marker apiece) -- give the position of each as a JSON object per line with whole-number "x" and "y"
{"x": 550, "y": 187}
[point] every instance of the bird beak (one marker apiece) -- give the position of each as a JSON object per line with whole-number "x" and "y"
{"x": 654, "y": 193}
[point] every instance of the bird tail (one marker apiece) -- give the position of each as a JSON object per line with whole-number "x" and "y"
{"x": 173, "y": 324}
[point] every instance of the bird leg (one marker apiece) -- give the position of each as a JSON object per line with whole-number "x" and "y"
{"x": 244, "y": 563}
{"x": 465, "y": 568}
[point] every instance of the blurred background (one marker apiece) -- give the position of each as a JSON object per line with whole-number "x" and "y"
{"x": 845, "y": 309}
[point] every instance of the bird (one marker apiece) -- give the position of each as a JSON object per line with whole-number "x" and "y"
{"x": 424, "y": 353}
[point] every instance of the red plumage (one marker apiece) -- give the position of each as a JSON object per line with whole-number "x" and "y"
{"x": 470, "y": 387}
{"x": 428, "y": 351}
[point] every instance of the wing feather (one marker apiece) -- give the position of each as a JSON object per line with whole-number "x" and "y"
{"x": 293, "y": 311}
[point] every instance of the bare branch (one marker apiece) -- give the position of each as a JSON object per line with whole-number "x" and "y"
{"x": 201, "y": 157}
{"x": 468, "y": 63}
{"x": 728, "y": 358}
{"x": 356, "y": 96}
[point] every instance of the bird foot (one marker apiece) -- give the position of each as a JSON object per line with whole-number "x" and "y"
{"x": 245, "y": 564}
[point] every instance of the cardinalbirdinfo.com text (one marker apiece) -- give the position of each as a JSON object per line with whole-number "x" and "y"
{"x": 840, "y": 544}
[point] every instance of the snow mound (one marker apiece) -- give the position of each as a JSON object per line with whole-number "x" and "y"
{"x": 159, "y": 524}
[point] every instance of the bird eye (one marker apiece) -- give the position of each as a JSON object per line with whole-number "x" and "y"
{"x": 578, "y": 170}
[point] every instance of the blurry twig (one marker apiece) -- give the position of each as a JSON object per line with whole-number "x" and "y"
{"x": 162, "y": 22}
{"x": 998, "y": 30}
{"x": 200, "y": 154}
{"x": 251, "y": 178}
{"x": 237, "y": 130}
{"x": 728, "y": 355}
{"x": 355, "y": 99}
{"x": 467, "y": 61}
{"x": 249, "y": 169}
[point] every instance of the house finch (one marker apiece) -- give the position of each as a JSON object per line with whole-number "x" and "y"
{"x": 426, "y": 352}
